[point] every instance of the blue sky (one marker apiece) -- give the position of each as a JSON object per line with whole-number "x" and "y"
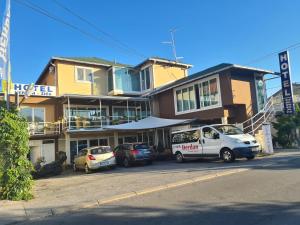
{"x": 208, "y": 33}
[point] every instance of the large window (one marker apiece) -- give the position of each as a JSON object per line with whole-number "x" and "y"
{"x": 87, "y": 117}
{"x": 36, "y": 119}
{"x": 33, "y": 114}
{"x": 126, "y": 80}
{"x": 121, "y": 113}
{"x": 185, "y": 99}
{"x": 198, "y": 96}
{"x": 83, "y": 74}
{"x": 145, "y": 79}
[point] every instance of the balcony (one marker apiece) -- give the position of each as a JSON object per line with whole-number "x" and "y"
{"x": 82, "y": 123}
{"x": 43, "y": 128}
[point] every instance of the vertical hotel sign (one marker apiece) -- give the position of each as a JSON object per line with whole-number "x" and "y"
{"x": 286, "y": 84}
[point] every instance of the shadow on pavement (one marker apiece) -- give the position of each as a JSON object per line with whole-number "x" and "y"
{"x": 275, "y": 213}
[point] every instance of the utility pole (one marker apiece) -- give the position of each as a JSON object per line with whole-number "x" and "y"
{"x": 172, "y": 43}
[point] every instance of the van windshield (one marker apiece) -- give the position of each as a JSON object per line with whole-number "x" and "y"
{"x": 228, "y": 129}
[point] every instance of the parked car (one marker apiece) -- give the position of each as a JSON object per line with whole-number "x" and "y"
{"x": 224, "y": 141}
{"x": 128, "y": 154}
{"x": 94, "y": 158}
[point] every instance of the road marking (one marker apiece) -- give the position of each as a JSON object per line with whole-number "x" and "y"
{"x": 169, "y": 186}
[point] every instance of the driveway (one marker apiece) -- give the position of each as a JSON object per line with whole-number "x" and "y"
{"x": 62, "y": 193}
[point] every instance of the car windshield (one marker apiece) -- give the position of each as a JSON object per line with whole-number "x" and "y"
{"x": 228, "y": 129}
{"x": 101, "y": 150}
{"x": 140, "y": 146}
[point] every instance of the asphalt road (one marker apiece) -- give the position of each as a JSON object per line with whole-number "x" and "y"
{"x": 268, "y": 195}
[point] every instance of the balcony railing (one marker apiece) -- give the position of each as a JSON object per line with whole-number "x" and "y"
{"x": 43, "y": 128}
{"x": 80, "y": 123}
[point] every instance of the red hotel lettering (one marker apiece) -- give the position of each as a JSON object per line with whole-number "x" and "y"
{"x": 189, "y": 147}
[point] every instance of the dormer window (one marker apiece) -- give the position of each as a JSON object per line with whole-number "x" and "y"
{"x": 83, "y": 74}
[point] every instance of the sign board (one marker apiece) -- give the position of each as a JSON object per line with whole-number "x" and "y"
{"x": 286, "y": 84}
{"x": 268, "y": 144}
{"x": 37, "y": 90}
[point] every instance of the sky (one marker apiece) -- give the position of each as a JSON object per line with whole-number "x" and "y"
{"x": 207, "y": 33}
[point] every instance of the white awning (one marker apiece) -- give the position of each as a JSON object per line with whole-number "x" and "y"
{"x": 150, "y": 122}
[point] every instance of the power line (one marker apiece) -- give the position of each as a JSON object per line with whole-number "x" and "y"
{"x": 97, "y": 28}
{"x": 46, "y": 13}
{"x": 291, "y": 47}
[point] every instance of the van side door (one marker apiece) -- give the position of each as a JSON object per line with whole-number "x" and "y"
{"x": 211, "y": 142}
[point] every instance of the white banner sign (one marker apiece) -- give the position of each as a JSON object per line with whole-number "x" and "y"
{"x": 268, "y": 145}
{"x": 37, "y": 90}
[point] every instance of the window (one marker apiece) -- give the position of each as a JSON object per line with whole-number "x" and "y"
{"x": 209, "y": 132}
{"x": 83, "y": 74}
{"x": 145, "y": 79}
{"x": 33, "y": 114}
{"x": 198, "y": 96}
{"x": 186, "y": 137}
{"x": 185, "y": 99}
{"x": 126, "y": 80}
{"x": 120, "y": 113}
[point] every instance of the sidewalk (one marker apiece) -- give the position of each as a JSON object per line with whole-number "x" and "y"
{"x": 75, "y": 190}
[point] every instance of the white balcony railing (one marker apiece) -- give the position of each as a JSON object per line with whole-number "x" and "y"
{"x": 79, "y": 123}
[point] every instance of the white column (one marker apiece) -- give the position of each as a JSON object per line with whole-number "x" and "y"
{"x": 68, "y": 149}
{"x": 164, "y": 143}
{"x": 116, "y": 139}
{"x": 100, "y": 105}
{"x": 69, "y": 113}
{"x": 127, "y": 112}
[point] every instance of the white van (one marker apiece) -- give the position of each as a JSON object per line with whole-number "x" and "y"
{"x": 225, "y": 141}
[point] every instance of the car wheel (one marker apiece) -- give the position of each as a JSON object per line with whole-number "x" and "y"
{"x": 251, "y": 157}
{"x": 126, "y": 162}
{"x": 179, "y": 157}
{"x": 74, "y": 167}
{"x": 149, "y": 162}
{"x": 228, "y": 155}
{"x": 87, "y": 169}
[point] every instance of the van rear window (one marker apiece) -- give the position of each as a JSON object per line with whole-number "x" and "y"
{"x": 101, "y": 150}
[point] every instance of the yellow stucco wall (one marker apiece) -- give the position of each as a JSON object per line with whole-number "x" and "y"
{"x": 241, "y": 92}
{"x": 163, "y": 74}
{"x": 67, "y": 83}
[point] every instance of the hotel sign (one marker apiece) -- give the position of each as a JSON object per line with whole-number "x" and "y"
{"x": 286, "y": 84}
{"x": 37, "y": 90}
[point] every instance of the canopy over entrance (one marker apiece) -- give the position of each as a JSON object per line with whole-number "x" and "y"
{"x": 150, "y": 122}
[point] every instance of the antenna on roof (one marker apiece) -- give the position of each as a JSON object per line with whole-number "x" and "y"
{"x": 172, "y": 43}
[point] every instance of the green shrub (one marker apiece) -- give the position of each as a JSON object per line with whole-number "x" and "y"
{"x": 287, "y": 126}
{"x": 15, "y": 172}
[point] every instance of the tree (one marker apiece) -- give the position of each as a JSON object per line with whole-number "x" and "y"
{"x": 15, "y": 173}
{"x": 288, "y": 127}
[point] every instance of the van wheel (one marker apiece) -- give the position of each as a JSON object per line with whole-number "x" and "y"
{"x": 228, "y": 155}
{"x": 251, "y": 157}
{"x": 179, "y": 157}
{"x": 87, "y": 169}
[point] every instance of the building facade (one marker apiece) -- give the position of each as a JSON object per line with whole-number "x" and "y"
{"x": 75, "y": 99}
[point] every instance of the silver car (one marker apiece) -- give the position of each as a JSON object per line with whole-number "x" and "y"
{"x": 94, "y": 158}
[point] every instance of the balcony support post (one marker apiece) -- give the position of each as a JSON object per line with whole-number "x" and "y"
{"x": 146, "y": 109}
{"x": 127, "y": 112}
{"x": 100, "y": 105}
{"x": 69, "y": 114}
{"x": 149, "y": 108}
